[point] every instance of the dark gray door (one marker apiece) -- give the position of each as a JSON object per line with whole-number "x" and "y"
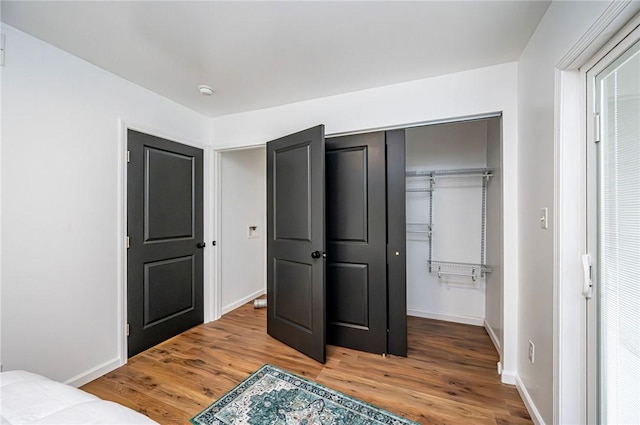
{"x": 356, "y": 242}
{"x": 165, "y": 227}
{"x": 396, "y": 244}
{"x": 296, "y": 241}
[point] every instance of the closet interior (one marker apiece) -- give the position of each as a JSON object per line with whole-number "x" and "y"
{"x": 453, "y": 214}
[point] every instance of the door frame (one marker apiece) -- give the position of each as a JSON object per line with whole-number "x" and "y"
{"x": 569, "y": 230}
{"x": 122, "y": 207}
{"x": 216, "y": 184}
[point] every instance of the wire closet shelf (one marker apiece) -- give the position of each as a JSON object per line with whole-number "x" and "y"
{"x": 422, "y": 230}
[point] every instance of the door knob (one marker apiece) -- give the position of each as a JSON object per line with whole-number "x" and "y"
{"x": 201, "y": 245}
{"x": 318, "y": 254}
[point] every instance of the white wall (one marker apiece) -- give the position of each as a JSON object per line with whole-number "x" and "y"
{"x": 489, "y": 89}
{"x": 494, "y": 281}
{"x": 457, "y": 221}
{"x": 60, "y": 205}
{"x": 467, "y": 93}
{"x": 243, "y": 204}
{"x": 560, "y": 29}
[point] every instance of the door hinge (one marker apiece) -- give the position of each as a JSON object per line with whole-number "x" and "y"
{"x": 128, "y": 156}
{"x": 128, "y": 242}
{"x": 127, "y": 329}
{"x": 2, "y": 40}
{"x": 596, "y": 127}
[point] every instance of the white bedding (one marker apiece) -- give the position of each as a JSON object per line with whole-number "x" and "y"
{"x": 27, "y": 398}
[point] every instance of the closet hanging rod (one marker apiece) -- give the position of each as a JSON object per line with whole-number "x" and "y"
{"x": 418, "y": 189}
{"x": 455, "y": 176}
{"x": 466, "y": 172}
{"x": 462, "y": 176}
{"x": 472, "y": 275}
{"x": 419, "y": 228}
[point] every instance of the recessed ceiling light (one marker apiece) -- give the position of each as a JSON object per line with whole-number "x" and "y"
{"x": 205, "y": 90}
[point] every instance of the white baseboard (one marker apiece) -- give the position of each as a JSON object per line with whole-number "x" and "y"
{"x": 242, "y": 301}
{"x": 493, "y": 336}
{"x": 528, "y": 402}
{"x": 94, "y": 373}
{"x": 508, "y": 377}
{"x": 106, "y": 367}
{"x": 476, "y": 321}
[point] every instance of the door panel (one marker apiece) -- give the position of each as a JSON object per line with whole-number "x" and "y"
{"x": 168, "y": 196}
{"x": 168, "y": 289}
{"x": 293, "y": 292}
{"x": 165, "y": 223}
{"x": 347, "y": 194}
{"x": 292, "y": 189}
{"x": 356, "y": 244}
{"x": 350, "y": 284}
{"x": 295, "y": 230}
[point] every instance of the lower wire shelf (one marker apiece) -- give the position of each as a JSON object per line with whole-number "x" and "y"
{"x": 449, "y": 268}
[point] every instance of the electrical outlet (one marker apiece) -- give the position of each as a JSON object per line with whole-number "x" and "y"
{"x": 532, "y": 352}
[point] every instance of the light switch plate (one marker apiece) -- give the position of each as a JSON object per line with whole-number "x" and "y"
{"x": 544, "y": 218}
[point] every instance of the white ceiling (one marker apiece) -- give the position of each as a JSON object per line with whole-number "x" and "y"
{"x": 267, "y": 53}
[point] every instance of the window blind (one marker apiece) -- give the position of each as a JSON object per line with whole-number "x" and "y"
{"x": 619, "y": 241}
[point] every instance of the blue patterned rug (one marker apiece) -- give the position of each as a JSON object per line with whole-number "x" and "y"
{"x": 274, "y": 396}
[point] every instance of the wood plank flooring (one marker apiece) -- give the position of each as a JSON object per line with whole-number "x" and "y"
{"x": 449, "y": 376}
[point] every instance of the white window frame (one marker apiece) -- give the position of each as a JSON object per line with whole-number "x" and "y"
{"x": 612, "y": 51}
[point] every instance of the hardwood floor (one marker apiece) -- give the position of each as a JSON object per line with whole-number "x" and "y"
{"x": 449, "y": 376}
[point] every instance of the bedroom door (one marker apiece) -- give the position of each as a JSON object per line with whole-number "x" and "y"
{"x": 296, "y": 241}
{"x": 165, "y": 229}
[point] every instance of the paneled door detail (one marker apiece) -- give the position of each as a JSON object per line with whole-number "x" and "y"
{"x": 165, "y": 228}
{"x": 356, "y": 242}
{"x": 296, "y": 241}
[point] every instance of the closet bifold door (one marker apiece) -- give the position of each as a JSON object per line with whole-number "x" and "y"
{"x": 396, "y": 243}
{"x": 356, "y": 242}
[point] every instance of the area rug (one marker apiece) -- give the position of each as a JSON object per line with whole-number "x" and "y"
{"x": 274, "y": 396}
